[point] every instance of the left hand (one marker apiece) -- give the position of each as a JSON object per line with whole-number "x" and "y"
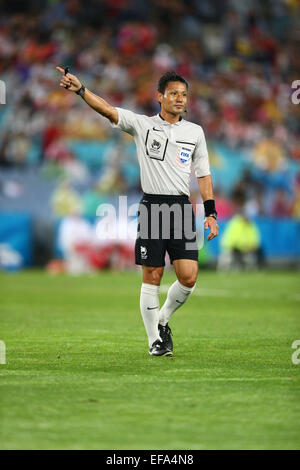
{"x": 212, "y": 224}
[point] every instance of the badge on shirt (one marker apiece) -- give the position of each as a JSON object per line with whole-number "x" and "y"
{"x": 156, "y": 145}
{"x": 184, "y": 155}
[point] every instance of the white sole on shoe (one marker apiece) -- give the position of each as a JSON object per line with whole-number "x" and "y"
{"x": 167, "y": 353}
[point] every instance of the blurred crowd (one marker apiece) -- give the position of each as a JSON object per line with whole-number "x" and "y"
{"x": 240, "y": 59}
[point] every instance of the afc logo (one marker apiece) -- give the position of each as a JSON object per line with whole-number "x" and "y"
{"x": 155, "y": 145}
{"x": 143, "y": 252}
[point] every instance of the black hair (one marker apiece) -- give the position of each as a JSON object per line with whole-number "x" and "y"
{"x": 170, "y": 76}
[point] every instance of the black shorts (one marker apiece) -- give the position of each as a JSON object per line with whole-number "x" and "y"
{"x": 165, "y": 224}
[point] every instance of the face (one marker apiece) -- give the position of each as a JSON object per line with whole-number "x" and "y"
{"x": 174, "y": 98}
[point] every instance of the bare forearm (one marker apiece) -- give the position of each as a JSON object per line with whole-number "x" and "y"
{"x": 72, "y": 83}
{"x": 206, "y": 187}
{"x": 101, "y": 106}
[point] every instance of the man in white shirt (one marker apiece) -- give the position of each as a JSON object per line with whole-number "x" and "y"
{"x": 167, "y": 148}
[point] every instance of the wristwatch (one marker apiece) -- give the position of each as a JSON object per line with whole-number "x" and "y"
{"x": 81, "y": 91}
{"x": 213, "y": 214}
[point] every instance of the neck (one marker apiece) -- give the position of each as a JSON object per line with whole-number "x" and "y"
{"x": 171, "y": 118}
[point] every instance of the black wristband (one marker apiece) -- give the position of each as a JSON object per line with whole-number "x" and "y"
{"x": 81, "y": 91}
{"x": 210, "y": 208}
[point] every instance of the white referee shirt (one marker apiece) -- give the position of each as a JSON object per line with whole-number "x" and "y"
{"x": 166, "y": 152}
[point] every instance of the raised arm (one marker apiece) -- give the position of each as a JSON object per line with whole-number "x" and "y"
{"x": 72, "y": 83}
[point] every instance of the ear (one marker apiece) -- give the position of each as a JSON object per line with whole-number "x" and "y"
{"x": 159, "y": 96}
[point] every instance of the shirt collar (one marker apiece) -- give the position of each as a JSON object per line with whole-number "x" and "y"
{"x": 165, "y": 123}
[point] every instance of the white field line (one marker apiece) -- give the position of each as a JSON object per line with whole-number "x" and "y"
{"x": 130, "y": 378}
{"x": 235, "y": 379}
{"x": 229, "y": 379}
{"x": 208, "y": 292}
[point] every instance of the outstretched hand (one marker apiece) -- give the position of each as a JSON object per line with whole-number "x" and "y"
{"x": 69, "y": 81}
{"x": 211, "y": 223}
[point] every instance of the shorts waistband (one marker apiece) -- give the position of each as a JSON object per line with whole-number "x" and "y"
{"x": 166, "y": 197}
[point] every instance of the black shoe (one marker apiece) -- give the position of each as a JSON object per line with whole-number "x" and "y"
{"x": 165, "y": 334}
{"x": 159, "y": 348}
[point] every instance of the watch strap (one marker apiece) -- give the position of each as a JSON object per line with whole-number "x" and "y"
{"x": 81, "y": 91}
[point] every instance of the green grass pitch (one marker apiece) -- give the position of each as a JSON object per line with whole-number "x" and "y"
{"x": 78, "y": 374}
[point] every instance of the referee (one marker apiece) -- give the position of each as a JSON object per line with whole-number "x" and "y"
{"x": 167, "y": 148}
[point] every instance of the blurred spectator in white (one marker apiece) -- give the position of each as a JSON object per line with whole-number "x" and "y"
{"x": 114, "y": 239}
{"x": 75, "y": 236}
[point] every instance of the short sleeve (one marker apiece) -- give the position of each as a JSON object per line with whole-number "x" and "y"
{"x": 200, "y": 157}
{"x": 127, "y": 121}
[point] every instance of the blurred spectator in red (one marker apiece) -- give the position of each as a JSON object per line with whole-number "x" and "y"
{"x": 282, "y": 206}
{"x": 224, "y": 205}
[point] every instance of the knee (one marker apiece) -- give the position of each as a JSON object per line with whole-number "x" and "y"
{"x": 188, "y": 279}
{"x": 152, "y": 275}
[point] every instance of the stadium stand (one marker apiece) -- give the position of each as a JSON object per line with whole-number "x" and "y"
{"x": 240, "y": 59}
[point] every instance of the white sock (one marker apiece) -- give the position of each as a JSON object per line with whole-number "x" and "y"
{"x": 177, "y": 296}
{"x": 149, "y": 305}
